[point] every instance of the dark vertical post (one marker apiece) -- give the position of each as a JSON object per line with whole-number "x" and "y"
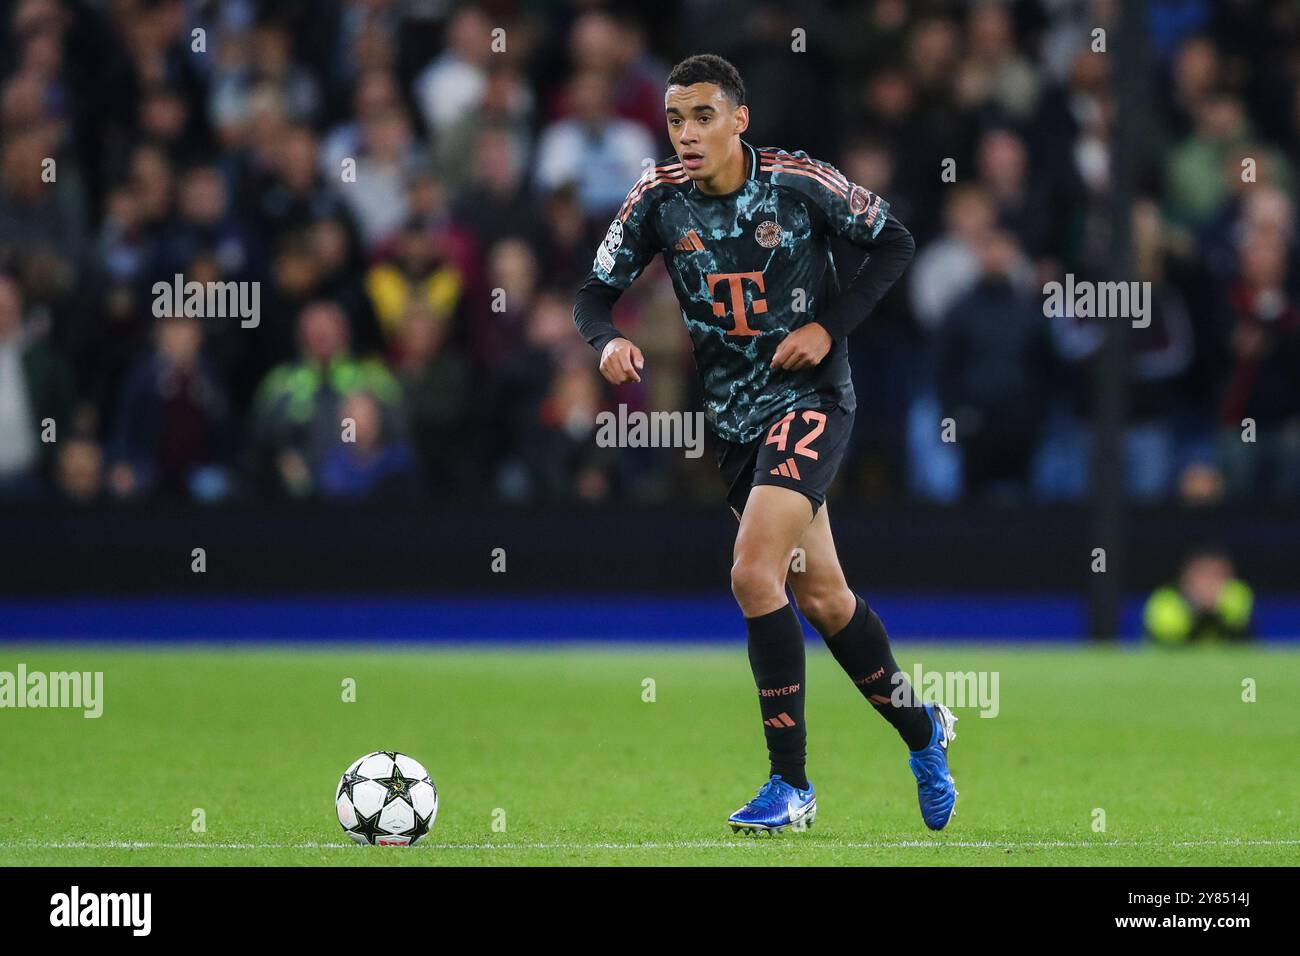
{"x": 1128, "y": 53}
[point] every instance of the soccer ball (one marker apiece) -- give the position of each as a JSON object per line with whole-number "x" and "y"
{"x": 386, "y": 799}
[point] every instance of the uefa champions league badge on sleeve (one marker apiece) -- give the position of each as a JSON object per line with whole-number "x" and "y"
{"x": 610, "y": 245}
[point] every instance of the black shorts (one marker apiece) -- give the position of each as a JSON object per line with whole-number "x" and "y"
{"x": 802, "y": 451}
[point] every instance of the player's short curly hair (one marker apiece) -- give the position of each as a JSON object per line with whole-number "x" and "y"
{"x": 709, "y": 68}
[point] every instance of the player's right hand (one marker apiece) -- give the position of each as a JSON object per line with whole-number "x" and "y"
{"x": 620, "y": 361}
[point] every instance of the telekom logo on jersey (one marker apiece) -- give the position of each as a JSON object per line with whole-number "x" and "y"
{"x": 736, "y": 282}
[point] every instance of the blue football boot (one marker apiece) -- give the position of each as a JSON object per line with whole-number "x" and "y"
{"x": 778, "y": 805}
{"x": 935, "y": 788}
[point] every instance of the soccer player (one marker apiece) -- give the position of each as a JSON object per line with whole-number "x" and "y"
{"x": 744, "y": 234}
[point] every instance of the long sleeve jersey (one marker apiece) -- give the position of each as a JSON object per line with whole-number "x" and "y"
{"x": 749, "y": 268}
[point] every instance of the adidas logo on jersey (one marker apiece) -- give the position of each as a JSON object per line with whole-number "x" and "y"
{"x": 787, "y": 468}
{"x": 689, "y": 243}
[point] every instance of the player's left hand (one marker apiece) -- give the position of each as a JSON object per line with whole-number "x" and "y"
{"x": 803, "y": 348}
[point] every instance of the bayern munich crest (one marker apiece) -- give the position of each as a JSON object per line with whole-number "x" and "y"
{"x": 863, "y": 201}
{"x": 859, "y": 199}
{"x": 768, "y": 234}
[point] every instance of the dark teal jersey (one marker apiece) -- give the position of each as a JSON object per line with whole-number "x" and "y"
{"x": 749, "y": 268}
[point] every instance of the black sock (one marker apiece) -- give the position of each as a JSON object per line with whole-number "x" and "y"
{"x": 862, "y": 649}
{"x": 776, "y": 656}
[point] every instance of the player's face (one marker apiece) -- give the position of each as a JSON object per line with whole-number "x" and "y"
{"x": 703, "y": 125}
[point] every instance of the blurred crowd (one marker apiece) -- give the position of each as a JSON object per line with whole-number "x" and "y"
{"x": 418, "y": 187}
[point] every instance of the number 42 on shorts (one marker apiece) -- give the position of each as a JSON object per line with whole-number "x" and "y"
{"x": 779, "y": 433}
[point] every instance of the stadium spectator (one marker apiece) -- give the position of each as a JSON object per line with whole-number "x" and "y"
{"x": 437, "y": 391}
{"x": 1208, "y": 605}
{"x": 567, "y": 237}
{"x": 1195, "y": 168}
{"x": 558, "y": 456}
{"x": 376, "y": 194}
{"x": 377, "y": 92}
{"x": 452, "y": 85}
{"x": 340, "y": 277}
{"x": 602, "y": 43}
{"x": 204, "y": 223}
{"x": 80, "y": 472}
{"x": 297, "y": 419}
{"x": 417, "y": 273}
{"x": 497, "y": 325}
{"x": 1261, "y": 374}
{"x": 995, "y": 365}
{"x": 152, "y": 179}
{"x": 166, "y": 120}
{"x": 294, "y": 194}
{"x": 995, "y": 77}
{"x": 368, "y": 462}
{"x": 593, "y": 150}
{"x": 38, "y": 216}
{"x": 949, "y": 266}
{"x": 259, "y": 65}
{"x": 171, "y": 431}
{"x": 506, "y": 104}
{"x": 495, "y": 204}
{"x": 1020, "y": 200}
{"x": 1194, "y": 77}
{"x": 36, "y": 389}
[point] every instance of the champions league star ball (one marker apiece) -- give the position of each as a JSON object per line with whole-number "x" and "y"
{"x": 386, "y": 799}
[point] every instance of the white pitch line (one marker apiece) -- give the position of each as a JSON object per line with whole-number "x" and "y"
{"x": 737, "y": 842}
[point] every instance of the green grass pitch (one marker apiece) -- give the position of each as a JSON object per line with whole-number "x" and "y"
{"x": 560, "y": 747}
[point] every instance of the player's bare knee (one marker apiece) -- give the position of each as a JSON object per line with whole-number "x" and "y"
{"x": 757, "y": 588}
{"x": 815, "y": 606}
{"x": 827, "y": 609}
